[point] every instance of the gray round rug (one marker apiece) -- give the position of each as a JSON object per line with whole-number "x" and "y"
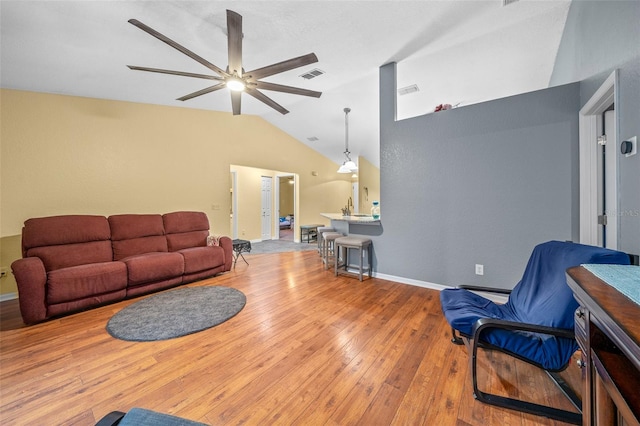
{"x": 176, "y": 313}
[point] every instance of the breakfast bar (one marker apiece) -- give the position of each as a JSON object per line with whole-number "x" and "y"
{"x": 363, "y": 224}
{"x": 358, "y": 226}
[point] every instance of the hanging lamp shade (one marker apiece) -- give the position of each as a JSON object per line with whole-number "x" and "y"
{"x": 348, "y": 166}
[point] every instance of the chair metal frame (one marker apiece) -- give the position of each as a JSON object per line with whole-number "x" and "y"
{"x": 474, "y": 342}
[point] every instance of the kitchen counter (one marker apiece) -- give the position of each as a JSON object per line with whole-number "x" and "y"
{"x": 361, "y": 219}
{"x": 358, "y": 225}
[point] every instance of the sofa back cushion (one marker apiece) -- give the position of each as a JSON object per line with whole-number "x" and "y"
{"x": 63, "y": 241}
{"x": 133, "y": 234}
{"x": 186, "y": 229}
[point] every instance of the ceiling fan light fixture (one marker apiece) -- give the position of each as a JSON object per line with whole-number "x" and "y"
{"x": 236, "y": 84}
{"x": 234, "y": 78}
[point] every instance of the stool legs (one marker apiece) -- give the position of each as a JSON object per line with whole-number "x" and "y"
{"x": 328, "y": 247}
{"x": 342, "y": 246}
{"x": 320, "y": 238}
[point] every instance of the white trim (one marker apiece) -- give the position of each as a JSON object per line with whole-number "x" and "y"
{"x": 8, "y": 296}
{"x": 599, "y": 102}
{"x": 497, "y": 298}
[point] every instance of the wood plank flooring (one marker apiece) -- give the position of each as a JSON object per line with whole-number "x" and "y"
{"x": 308, "y": 349}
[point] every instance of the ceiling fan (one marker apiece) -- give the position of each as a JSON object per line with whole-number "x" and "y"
{"x": 234, "y": 77}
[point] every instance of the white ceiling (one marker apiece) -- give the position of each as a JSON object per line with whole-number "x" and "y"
{"x": 457, "y": 52}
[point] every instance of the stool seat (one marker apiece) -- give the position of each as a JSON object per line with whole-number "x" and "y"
{"x": 328, "y": 246}
{"x": 354, "y": 241}
{"x": 342, "y": 246}
{"x": 319, "y": 239}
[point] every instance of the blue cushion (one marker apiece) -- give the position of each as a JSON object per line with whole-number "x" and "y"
{"x": 542, "y": 297}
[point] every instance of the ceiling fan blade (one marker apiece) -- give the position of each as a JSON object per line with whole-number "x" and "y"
{"x": 283, "y": 66}
{"x": 202, "y": 92}
{"x": 181, "y": 73}
{"x": 176, "y": 46}
{"x": 236, "y": 97}
{"x": 263, "y": 98}
{"x": 234, "y": 42}
{"x": 287, "y": 89}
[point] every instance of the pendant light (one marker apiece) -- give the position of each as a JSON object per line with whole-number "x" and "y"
{"x": 348, "y": 166}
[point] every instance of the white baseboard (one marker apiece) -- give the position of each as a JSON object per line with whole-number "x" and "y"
{"x": 402, "y": 280}
{"x": 497, "y": 298}
{"x": 8, "y": 296}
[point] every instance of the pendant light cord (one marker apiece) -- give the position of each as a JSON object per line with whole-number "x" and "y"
{"x": 346, "y": 133}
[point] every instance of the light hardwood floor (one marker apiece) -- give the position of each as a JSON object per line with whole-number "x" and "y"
{"x": 307, "y": 349}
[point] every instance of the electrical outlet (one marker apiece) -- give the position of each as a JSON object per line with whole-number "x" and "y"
{"x": 3, "y": 272}
{"x": 479, "y": 269}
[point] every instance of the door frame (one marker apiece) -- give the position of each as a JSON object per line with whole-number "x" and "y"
{"x": 234, "y": 204}
{"x": 606, "y": 95}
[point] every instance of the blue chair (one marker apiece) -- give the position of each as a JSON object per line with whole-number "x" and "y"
{"x": 536, "y": 325}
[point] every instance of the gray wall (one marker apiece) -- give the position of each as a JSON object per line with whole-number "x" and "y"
{"x": 485, "y": 183}
{"x": 480, "y": 184}
{"x": 601, "y": 36}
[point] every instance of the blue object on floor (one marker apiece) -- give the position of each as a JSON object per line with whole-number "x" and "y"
{"x": 536, "y": 324}
{"x": 144, "y": 417}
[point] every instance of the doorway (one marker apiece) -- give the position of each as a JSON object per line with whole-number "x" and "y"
{"x": 285, "y": 202}
{"x": 252, "y": 208}
{"x": 598, "y": 167}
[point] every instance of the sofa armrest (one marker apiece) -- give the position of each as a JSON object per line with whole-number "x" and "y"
{"x": 227, "y": 245}
{"x": 31, "y": 278}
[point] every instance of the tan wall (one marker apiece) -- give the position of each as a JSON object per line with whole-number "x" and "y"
{"x": 72, "y": 155}
{"x": 368, "y": 185}
{"x": 249, "y": 209}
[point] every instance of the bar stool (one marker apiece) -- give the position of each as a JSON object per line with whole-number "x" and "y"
{"x": 319, "y": 238}
{"x": 328, "y": 247}
{"x": 342, "y": 246}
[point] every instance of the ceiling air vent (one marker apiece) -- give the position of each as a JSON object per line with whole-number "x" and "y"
{"x": 408, "y": 89}
{"x": 312, "y": 74}
{"x": 312, "y": 139}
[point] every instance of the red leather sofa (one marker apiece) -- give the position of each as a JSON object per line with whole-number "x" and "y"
{"x": 75, "y": 262}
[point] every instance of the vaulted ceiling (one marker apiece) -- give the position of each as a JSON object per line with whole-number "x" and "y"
{"x": 456, "y": 52}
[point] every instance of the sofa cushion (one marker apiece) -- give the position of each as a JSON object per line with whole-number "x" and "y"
{"x": 133, "y": 234}
{"x": 67, "y": 255}
{"x": 58, "y": 230}
{"x": 128, "y": 226}
{"x": 186, "y": 229}
{"x": 198, "y": 259}
{"x": 185, "y": 240}
{"x": 149, "y": 267}
{"x": 185, "y": 222}
{"x": 78, "y": 282}
{"x": 136, "y": 246}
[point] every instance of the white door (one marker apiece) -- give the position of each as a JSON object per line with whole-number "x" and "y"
{"x": 607, "y": 184}
{"x": 267, "y": 185}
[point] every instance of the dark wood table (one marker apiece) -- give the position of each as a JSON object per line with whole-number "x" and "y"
{"x": 608, "y": 332}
